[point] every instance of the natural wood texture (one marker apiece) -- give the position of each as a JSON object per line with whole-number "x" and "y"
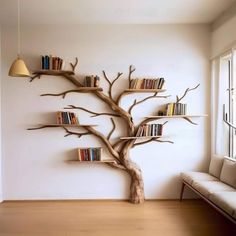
{"x": 42, "y": 126}
{"x": 112, "y": 218}
{"x": 178, "y": 99}
{"x": 145, "y": 90}
{"x": 120, "y": 149}
{"x": 177, "y": 116}
{"x": 141, "y": 137}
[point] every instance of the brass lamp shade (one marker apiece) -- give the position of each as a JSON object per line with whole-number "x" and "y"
{"x": 18, "y": 69}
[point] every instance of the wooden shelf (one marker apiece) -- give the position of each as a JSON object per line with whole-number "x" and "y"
{"x": 53, "y": 72}
{"x": 145, "y": 90}
{"x": 67, "y": 125}
{"x": 141, "y": 137}
{"x": 102, "y": 161}
{"x": 177, "y": 116}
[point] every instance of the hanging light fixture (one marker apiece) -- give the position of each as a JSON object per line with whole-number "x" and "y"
{"x": 18, "y": 67}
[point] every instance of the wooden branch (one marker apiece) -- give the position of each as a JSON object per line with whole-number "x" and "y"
{"x": 106, "y": 142}
{"x": 185, "y": 93}
{"x": 94, "y": 114}
{"x": 152, "y": 140}
{"x": 111, "y": 83}
{"x": 116, "y": 165}
{"x": 75, "y": 133}
{"x": 143, "y": 100}
{"x": 189, "y": 120}
{"x": 131, "y": 70}
{"x": 112, "y": 130}
{"x": 63, "y": 94}
{"x": 34, "y": 77}
{"x": 68, "y": 131}
{"x": 75, "y": 64}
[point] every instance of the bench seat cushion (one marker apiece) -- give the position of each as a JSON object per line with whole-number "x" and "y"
{"x": 228, "y": 173}
{"x": 192, "y": 176}
{"x": 226, "y": 201}
{"x": 207, "y": 188}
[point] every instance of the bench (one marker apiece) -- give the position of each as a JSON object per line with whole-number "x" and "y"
{"x": 217, "y": 187}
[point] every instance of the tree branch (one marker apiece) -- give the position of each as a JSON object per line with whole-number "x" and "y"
{"x": 112, "y": 130}
{"x": 34, "y": 77}
{"x": 111, "y": 83}
{"x": 75, "y": 133}
{"x": 113, "y": 152}
{"x": 94, "y": 114}
{"x": 152, "y": 140}
{"x": 189, "y": 120}
{"x": 185, "y": 93}
{"x": 143, "y": 100}
{"x": 75, "y": 64}
{"x": 67, "y": 131}
{"x": 131, "y": 70}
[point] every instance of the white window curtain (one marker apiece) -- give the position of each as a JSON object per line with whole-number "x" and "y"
{"x": 223, "y": 71}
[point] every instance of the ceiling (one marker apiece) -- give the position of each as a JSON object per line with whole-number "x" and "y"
{"x": 113, "y": 11}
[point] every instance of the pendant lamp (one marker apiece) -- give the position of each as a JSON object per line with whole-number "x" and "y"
{"x": 18, "y": 67}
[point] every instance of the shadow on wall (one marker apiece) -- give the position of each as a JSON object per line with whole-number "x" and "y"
{"x": 172, "y": 188}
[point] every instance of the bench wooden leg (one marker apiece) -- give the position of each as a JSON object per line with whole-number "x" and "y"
{"x": 182, "y": 192}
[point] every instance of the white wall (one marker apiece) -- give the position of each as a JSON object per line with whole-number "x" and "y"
{"x": 224, "y": 37}
{"x": 1, "y": 194}
{"x": 34, "y": 162}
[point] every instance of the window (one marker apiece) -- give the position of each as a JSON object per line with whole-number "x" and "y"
{"x": 224, "y": 112}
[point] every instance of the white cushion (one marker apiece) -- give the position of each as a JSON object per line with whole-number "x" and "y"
{"x": 225, "y": 200}
{"x": 216, "y": 165}
{"x": 228, "y": 173}
{"x": 207, "y": 188}
{"x": 192, "y": 176}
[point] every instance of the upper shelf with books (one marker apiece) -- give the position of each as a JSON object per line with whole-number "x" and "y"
{"x": 53, "y": 72}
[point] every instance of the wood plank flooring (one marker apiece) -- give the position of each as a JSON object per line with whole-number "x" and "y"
{"x": 113, "y": 218}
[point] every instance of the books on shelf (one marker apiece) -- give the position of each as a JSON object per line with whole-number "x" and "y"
{"x": 49, "y": 62}
{"x": 89, "y": 154}
{"x": 147, "y": 83}
{"x": 63, "y": 117}
{"x": 176, "y": 109}
{"x": 149, "y": 130}
{"x": 91, "y": 81}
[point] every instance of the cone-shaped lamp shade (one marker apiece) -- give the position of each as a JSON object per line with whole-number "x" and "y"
{"x": 18, "y": 69}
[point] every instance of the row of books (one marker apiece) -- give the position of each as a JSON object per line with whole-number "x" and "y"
{"x": 149, "y": 130}
{"x": 91, "y": 81}
{"x": 49, "y": 62}
{"x": 89, "y": 154}
{"x": 147, "y": 83}
{"x": 176, "y": 109}
{"x": 67, "y": 118}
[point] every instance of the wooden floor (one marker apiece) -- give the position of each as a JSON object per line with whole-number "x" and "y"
{"x": 113, "y": 218}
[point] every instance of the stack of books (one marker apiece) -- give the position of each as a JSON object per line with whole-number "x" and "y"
{"x": 67, "y": 118}
{"x": 149, "y": 130}
{"x": 147, "y": 83}
{"x": 176, "y": 109}
{"x": 49, "y": 62}
{"x": 91, "y": 81}
{"x": 89, "y": 154}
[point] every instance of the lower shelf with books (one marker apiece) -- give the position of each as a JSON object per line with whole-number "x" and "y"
{"x": 89, "y": 154}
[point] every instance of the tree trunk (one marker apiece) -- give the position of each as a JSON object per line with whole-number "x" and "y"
{"x": 136, "y": 188}
{"x": 135, "y": 173}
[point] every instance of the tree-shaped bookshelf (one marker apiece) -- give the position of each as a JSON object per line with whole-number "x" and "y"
{"x": 118, "y": 149}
